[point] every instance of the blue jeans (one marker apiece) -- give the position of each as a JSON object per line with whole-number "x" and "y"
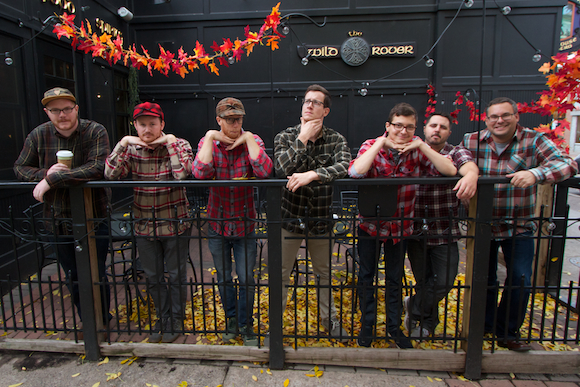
{"x": 368, "y": 252}
{"x": 245, "y": 252}
{"x": 519, "y": 256}
{"x": 65, "y": 254}
{"x": 434, "y": 268}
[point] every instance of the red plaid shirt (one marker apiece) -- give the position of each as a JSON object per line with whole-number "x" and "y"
{"x": 166, "y": 162}
{"x": 385, "y": 164}
{"x": 527, "y": 150}
{"x": 434, "y": 203}
{"x": 230, "y": 203}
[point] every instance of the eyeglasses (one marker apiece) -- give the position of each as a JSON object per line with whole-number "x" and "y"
{"x": 56, "y": 112}
{"x": 505, "y": 117}
{"x": 314, "y": 102}
{"x": 398, "y": 126}
{"x": 232, "y": 120}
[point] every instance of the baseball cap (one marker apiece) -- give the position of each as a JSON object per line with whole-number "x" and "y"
{"x": 57, "y": 93}
{"x": 148, "y": 109}
{"x": 229, "y": 107}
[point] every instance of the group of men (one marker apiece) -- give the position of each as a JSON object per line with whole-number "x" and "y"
{"x": 310, "y": 156}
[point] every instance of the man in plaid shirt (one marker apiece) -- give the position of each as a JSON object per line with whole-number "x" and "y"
{"x": 396, "y": 153}
{"x": 233, "y": 153}
{"x": 158, "y": 212}
{"x": 311, "y": 153}
{"x": 527, "y": 158}
{"x": 434, "y": 255}
{"x": 89, "y": 143}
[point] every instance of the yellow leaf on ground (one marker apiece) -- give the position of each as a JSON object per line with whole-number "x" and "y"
{"x": 75, "y": 375}
{"x": 269, "y": 372}
{"x": 16, "y": 385}
{"x": 286, "y": 382}
{"x": 255, "y": 378}
{"x": 512, "y": 375}
{"x": 246, "y": 367}
{"x": 97, "y": 384}
{"x": 105, "y": 361}
{"x": 429, "y": 378}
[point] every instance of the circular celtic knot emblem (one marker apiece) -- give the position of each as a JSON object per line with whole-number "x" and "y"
{"x": 355, "y": 51}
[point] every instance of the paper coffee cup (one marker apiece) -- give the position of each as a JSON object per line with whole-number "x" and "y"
{"x": 65, "y": 157}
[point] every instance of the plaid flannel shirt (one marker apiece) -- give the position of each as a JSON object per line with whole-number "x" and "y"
{"x": 90, "y": 146}
{"x": 527, "y": 150}
{"x": 392, "y": 164}
{"x": 436, "y": 203}
{"x": 329, "y": 157}
{"x": 230, "y": 203}
{"x": 165, "y": 162}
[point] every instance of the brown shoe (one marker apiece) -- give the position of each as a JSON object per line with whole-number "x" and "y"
{"x": 513, "y": 345}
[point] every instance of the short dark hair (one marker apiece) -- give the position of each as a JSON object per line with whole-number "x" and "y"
{"x": 327, "y": 101}
{"x": 498, "y": 100}
{"x": 442, "y": 114}
{"x": 402, "y": 109}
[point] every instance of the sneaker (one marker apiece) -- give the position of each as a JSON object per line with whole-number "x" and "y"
{"x": 172, "y": 329}
{"x": 419, "y": 333}
{"x": 400, "y": 339}
{"x": 231, "y": 329}
{"x": 249, "y": 337}
{"x": 365, "y": 337}
{"x": 155, "y": 336}
{"x": 335, "y": 329}
{"x": 408, "y": 321}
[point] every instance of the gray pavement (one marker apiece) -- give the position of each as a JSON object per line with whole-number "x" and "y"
{"x": 62, "y": 370}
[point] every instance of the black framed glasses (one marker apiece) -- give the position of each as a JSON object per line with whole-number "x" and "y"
{"x": 233, "y": 120}
{"x": 399, "y": 126}
{"x": 505, "y": 117}
{"x": 314, "y": 102}
{"x": 56, "y": 112}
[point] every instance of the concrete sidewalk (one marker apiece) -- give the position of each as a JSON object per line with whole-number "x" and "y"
{"x": 62, "y": 370}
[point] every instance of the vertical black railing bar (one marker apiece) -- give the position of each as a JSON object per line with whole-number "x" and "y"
{"x": 114, "y": 276}
{"x": 40, "y": 255}
{"x": 215, "y": 319}
{"x": 32, "y": 311}
{"x": 85, "y": 280}
{"x": 52, "y": 308}
{"x": 557, "y": 248}
{"x": 19, "y": 275}
{"x": 12, "y": 310}
{"x": 457, "y": 303}
{"x": 567, "y": 320}
{"x": 274, "y": 216}
{"x": 475, "y": 317}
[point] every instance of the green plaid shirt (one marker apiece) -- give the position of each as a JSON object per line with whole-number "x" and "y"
{"x": 90, "y": 145}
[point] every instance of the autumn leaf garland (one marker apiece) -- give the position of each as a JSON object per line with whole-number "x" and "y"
{"x": 104, "y": 46}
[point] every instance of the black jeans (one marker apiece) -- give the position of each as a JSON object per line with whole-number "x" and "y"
{"x": 65, "y": 254}
{"x": 368, "y": 251}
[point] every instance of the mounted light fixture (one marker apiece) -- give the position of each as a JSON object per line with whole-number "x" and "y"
{"x": 231, "y": 59}
{"x": 125, "y": 14}
{"x": 469, "y": 3}
{"x": 9, "y": 61}
{"x": 285, "y": 28}
{"x": 363, "y": 90}
{"x": 429, "y": 62}
{"x": 305, "y": 60}
{"x": 505, "y": 10}
{"x": 537, "y": 56}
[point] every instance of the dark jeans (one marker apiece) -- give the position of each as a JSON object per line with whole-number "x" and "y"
{"x": 65, "y": 251}
{"x": 244, "y": 254}
{"x": 166, "y": 254}
{"x": 368, "y": 251}
{"x": 519, "y": 256}
{"x": 434, "y": 268}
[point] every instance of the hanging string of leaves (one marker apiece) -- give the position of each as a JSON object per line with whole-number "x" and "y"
{"x": 103, "y": 46}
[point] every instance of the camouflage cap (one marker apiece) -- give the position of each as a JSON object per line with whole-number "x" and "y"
{"x": 57, "y": 93}
{"x": 230, "y": 107}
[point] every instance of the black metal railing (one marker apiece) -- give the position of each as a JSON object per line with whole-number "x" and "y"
{"x": 40, "y": 303}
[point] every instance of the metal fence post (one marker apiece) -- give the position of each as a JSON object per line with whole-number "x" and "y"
{"x": 86, "y": 258}
{"x": 554, "y": 269}
{"x": 275, "y": 291}
{"x": 476, "y": 272}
